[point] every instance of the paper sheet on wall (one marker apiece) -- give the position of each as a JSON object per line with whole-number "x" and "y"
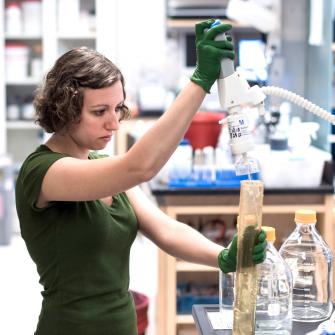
{"x": 221, "y": 320}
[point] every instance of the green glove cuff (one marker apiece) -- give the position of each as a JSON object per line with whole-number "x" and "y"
{"x": 226, "y": 264}
{"x": 202, "y": 82}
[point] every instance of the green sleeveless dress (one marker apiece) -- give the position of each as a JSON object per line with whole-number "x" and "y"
{"x": 81, "y": 250}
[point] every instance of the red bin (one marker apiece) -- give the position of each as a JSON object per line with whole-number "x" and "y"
{"x": 204, "y": 129}
{"x": 141, "y": 305}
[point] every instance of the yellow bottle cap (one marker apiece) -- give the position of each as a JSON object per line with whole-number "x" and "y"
{"x": 270, "y": 233}
{"x": 305, "y": 216}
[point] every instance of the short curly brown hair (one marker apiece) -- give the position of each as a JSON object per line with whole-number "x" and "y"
{"x": 59, "y": 100}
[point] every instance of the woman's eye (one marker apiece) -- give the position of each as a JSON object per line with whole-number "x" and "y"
{"x": 119, "y": 109}
{"x": 99, "y": 112}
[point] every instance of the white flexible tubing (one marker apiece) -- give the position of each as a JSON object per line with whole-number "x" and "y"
{"x": 300, "y": 101}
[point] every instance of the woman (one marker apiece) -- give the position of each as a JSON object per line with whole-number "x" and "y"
{"x": 79, "y": 214}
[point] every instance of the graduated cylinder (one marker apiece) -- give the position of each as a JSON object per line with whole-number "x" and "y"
{"x": 249, "y": 224}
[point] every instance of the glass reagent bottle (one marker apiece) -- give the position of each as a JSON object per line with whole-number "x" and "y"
{"x": 310, "y": 260}
{"x": 274, "y": 296}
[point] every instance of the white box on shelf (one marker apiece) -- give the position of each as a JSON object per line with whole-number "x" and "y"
{"x": 32, "y": 17}
{"x": 17, "y": 61}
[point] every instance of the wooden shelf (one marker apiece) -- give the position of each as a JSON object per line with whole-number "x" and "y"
{"x": 24, "y": 82}
{"x": 186, "y": 319}
{"x": 21, "y": 125}
{"x": 84, "y": 36}
{"x": 182, "y": 266}
{"x": 269, "y": 209}
{"x": 22, "y": 37}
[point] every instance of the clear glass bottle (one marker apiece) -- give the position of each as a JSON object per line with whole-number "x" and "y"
{"x": 226, "y": 290}
{"x": 274, "y": 296}
{"x": 310, "y": 260}
{"x": 181, "y": 162}
{"x": 227, "y": 296}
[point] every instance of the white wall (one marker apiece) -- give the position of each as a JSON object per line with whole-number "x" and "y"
{"x": 141, "y": 46}
{"x": 132, "y": 34}
{"x": 141, "y": 38}
{"x": 2, "y": 86}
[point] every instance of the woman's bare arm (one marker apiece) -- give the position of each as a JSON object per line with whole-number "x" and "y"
{"x": 71, "y": 179}
{"x": 174, "y": 237}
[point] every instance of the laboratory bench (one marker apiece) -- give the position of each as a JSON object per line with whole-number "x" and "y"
{"x": 204, "y": 325}
{"x": 185, "y": 204}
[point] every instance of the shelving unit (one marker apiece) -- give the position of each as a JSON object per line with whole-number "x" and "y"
{"x": 17, "y": 90}
{"x": 114, "y": 25}
{"x": 21, "y": 136}
{"x": 278, "y": 208}
{"x": 107, "y": 38}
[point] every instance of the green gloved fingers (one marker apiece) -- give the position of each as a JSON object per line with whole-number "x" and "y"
{"x": 210, "y": 53}
{"x": 259, "y": 250}
{"x": 227, "y": 258}
{"x": 212, "y": 32}
{"x": 261, "y": 236}
{"x": 201, "y": 26}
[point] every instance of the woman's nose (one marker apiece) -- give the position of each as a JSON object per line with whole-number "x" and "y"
{"x": 112, "y": 121}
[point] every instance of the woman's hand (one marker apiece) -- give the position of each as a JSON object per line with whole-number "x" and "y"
{"x": 210, "y": 53}
{"x": 227, "y": 258}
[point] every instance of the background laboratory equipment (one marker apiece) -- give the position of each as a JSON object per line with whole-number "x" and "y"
{"x": 181, "y": 162}
{"x": 236, "y": 95}
{"x": 310, "y": 260}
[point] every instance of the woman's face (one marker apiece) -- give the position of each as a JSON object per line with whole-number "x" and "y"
{"x": 100, "y": 117}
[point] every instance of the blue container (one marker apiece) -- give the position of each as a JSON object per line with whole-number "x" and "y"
{"x": 224, "y": 179}
{"x": 185, "y": 302}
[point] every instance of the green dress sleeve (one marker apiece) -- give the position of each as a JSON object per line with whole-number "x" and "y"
{"x": 32, "y": 173}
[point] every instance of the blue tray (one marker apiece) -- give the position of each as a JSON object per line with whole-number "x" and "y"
{"x": 224, "y": 179}
{"x": 185, "y": 302}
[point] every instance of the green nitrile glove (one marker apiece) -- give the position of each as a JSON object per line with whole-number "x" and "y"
{"x": 210, "y": 53}
{"x": 259, "y": 251}
{"x": 227, "y": 257}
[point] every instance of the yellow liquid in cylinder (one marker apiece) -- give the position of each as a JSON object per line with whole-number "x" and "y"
{"x": 249, "y": 223}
